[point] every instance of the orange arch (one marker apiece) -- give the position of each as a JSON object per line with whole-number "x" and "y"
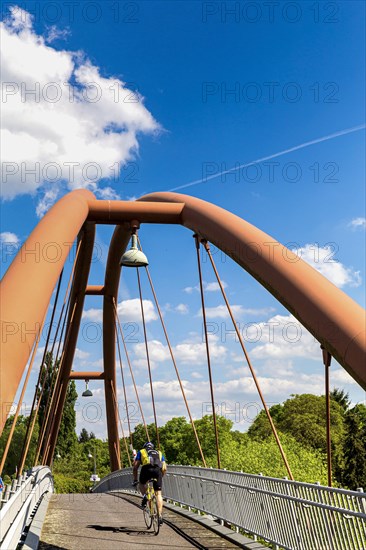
{"x": 327, "y": 312}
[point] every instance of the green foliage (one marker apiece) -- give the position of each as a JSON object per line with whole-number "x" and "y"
{"x": 238, "y": 451}
{"x": 354, "y": 473}
{"x": 300, "y": 421}
{"x": 264, "y": 457}
{"x": 73, "y": 469}
{"x": 47, "y": 380}
{"x": 66, "y": 484}
{"x": 174, "y": 437}
{"x": 67, "y": 438}
{"x": 341, "y": 397}
{"x": 139, "y": 435}
{"x": 206, "y": 434}
{"x": 16, "y": 445}
{"x": 84, "y": 436}
{"x": 304, "y": 418}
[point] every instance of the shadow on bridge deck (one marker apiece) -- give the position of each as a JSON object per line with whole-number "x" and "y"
{"x": 105, "y": 521}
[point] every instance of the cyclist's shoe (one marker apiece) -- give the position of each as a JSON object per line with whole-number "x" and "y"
{"x": 160, "y": 520}
{"x": 144, "y": 502}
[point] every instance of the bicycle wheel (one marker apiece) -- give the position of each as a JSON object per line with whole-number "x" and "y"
{"x": 155, "y": 515}
{"x": 148, "y": 517}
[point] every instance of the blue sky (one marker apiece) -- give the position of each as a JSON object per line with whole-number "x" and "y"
{"x": 200, "y": 91}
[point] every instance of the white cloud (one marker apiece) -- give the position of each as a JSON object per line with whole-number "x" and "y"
{"x": 190, "y": 289}
{"x": 76, "y": 129}
{"x": 47, "y": 200}
{"x": 358, "y": 223}
{"x": 107, "y": 193}
{"x": 282, "y": 337}
{"x": 207, "y": 287}
{"x": 182, "y": 308}
{"x": 128, "y": 311}
{"x": 82, "y": 355}
{"x": 214, "y": 287}
{"x": 195, "y": 353}
{"x": 221, "y": 312}
{"x": 322, "y": 259}
{"x": 188, "y": 352}
{"x": 9, "y": 238}
{"x": 197, "y": 375}
{"x": 53, "y": 33}
{"x": 157, "y": 351}
{"x": 341, "y": 376}
{"x": 94, "y": 315}
{"x": 259, "y": 311}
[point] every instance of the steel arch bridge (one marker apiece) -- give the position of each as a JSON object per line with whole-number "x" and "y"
{"x": 329, "y": 314}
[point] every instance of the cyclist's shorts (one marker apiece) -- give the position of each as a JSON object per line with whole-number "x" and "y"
{"x": 151, "y": 472}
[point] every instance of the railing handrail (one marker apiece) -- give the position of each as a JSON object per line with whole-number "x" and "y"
{"x": 285, "y": 481}
{"x": 17, "y": 509}
{"x": 273, "y": 494}
{"x": 303, "y": 517}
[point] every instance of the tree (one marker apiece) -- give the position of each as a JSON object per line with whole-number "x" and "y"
{"x": 67, "y": 436}
{"x": 47, "y": 379}
{"x": 341, "y": 397}
{"x": 84, "y": 436}
{"x": 260, "y": 428}
{"x": 139, "y": 435}
{"x": 354, "y": 474}
{"x": 174, "y": 437}
{"x": 304, "y": 418}
{"x": 17, "y": 444}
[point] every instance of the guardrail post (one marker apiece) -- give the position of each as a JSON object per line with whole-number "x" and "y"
{"x": 6, "y": 495}
{"x": 362, "y": 500}
{"x": 13, "y": 487}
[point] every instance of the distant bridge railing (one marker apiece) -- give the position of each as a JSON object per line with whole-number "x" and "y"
{"x": 288, "y": 514}
{"x": 19, "y": 501}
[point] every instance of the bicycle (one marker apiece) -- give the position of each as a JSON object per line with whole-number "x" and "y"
{"x": 151, "y": 512}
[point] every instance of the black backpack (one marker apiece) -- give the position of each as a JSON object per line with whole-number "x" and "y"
{"x": 154, "y": 457}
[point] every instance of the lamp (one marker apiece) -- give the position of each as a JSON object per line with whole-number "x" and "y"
{"x": 133, "y": 257}
{"x": 87, "y": 392}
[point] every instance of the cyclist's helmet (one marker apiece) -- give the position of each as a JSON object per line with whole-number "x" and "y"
{"x": 148, "y": 446}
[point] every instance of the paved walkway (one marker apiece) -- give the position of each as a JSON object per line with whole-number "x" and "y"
{"x": 101, "y": 521}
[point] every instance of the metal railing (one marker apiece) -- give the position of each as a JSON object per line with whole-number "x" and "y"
{"x": 18, "y": 502}
{"x": 288, "y": 514}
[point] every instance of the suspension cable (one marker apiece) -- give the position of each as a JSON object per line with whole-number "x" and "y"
{"x": 327, "y": 360}
{"x": 130, "y": 368}
{"x": 148, "y": 358}
{"x": 123, "y": 384}
{"x": 32, "y": 417}
{"x": 175, "y": 366}
{"x": 55, "y": 374}
{"x": 207, "y": 351}
{"x": 120, "y": 422}
{"x": 53, "y": 382}
{"x": 20, "y": 400}
{"x": 207, "y": 248}
{"x": 54, "y": 408}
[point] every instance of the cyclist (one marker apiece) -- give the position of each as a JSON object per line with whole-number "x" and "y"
{"x": 153, "y": 467}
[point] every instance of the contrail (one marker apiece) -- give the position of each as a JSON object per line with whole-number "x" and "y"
{"x": 274, "y": 155}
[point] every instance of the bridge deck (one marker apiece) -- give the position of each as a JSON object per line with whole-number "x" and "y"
{"x": 104, "y": 521}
